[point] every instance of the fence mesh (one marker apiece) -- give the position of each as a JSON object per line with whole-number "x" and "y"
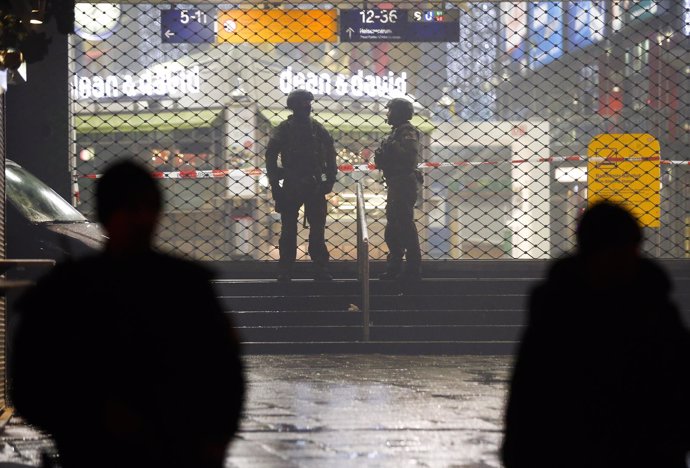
{"x": 528, "y": 111}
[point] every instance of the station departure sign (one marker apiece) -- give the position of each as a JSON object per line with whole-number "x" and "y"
{"x": 394, "y": 25}
{"x": 190, "y": 26}
{"x": 277, "y": 26}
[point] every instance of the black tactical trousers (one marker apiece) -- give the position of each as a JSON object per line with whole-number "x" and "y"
{"x": 309, "y": 194}
{"x": 401, "y": 231}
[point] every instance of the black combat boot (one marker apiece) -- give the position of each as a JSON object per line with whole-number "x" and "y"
{"x": 393, "y": 269}
{"x": 321, "y": 273}
{"x": 389, "y": 275}
{"x": 410, "y": 275}
{"x": 284, "y": 273}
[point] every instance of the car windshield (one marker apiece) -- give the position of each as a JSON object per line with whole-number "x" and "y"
{"x": 35, "y": 200}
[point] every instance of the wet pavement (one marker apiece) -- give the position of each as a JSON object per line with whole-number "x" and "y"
{"x": 353, "y": 410}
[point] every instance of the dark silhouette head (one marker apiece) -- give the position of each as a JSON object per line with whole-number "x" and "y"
{"x": 399, "y": 111}
{"x": 606, "y": 226}
{"x": 128, "y": 205}
{"x": 609, "y": 240}
{"x": 299, "y": 102}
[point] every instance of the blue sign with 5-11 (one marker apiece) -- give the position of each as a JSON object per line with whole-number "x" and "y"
{"x": 192, "y": 26}
{"x": 394, "y": 25}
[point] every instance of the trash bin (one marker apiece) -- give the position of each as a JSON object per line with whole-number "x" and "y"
{"x": 243, "y": 235}
{"x": 241, "y": 217}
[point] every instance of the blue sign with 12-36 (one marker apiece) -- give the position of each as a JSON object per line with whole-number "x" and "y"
{"x": 394, "y": 25}
{"x": 192, "y": 26}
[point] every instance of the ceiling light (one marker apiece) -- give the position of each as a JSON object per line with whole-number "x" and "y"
{"x": 38, "y": 10}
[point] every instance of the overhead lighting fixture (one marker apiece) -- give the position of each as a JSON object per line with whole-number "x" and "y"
{"x": 36, "y": 17}
{"x": 96, "y": 21}
{"x": 38, "y": 11}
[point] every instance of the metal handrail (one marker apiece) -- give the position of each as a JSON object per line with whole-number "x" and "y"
{"x": 363, "y": 258}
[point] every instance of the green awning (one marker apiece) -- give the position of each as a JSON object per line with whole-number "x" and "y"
{"x": 349, "y": 121}
{"x": 165, "y": 121}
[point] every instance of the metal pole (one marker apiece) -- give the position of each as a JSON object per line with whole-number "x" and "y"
{"x": 363, "y": 259}
{"x": 365, "y": 292}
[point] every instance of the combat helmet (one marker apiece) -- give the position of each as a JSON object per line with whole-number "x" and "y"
{"x": 401, "y": 107}
{"x": 298, "y": 95}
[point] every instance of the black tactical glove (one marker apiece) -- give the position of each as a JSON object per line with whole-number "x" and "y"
{"x": 419, "y": 176}
{"x": 278, "y": 196}
{"x": 276, "y": 176}
{"x": 379, "y": 158}
{"x": 327, "y": 186}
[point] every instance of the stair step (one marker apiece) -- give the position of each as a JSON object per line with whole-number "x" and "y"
{"x": 260, "y": 318}
{"x": 445, "y": 333}
{"x": 293, "y": 288}
{"x": 465, "y": 268}
{"x": 392, "y": 302}
{"x": 295, "y": 317}
{"x": 302, "y": 334}
{"x": 442, "y": 286}
{"x": 438, "y": 302}
{"x": 432, "y": 333}
{"x": 449, "y": 317}
{"x": 378, "y": 347}
{"x": 278, "y": 303}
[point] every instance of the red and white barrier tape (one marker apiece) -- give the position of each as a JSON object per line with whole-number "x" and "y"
{"x": 370, "y": 167}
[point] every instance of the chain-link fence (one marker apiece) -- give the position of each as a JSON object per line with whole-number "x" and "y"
{"x": 527, "y": 111}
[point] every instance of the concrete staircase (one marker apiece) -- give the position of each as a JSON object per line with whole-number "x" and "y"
{"x": 469, "y": 313}
{"x": 459, "y": 308}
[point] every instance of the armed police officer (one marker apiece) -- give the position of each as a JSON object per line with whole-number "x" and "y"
{"x": 398, "y": 158}
{"x": 308, "y": 172}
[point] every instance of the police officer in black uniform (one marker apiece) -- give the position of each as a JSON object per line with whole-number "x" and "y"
{"x": 307, "y": 171}
{"x": 398, "y": 158}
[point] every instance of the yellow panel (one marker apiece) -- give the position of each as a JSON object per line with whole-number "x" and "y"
{"x": 624, "y": 168}
{"x": 275, "y": 26}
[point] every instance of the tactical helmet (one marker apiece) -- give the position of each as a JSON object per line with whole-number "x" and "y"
{"x": 297, "y": 96}
{"x": 401, "y": 106}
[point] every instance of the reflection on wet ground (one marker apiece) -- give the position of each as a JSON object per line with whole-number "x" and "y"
{"x": 354, "y": 410}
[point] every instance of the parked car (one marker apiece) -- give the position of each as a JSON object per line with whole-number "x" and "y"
{"x": 40, "y": 223}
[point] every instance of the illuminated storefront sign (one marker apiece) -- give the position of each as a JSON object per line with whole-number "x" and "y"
{"x": 360, "y": 84}
{"x": 629, "y": 12}
{"x": 618, "y": 8}
{"x": 277, "y": 26}
{"x": 585, "y": 23}
{"x": 546, "y": 26}
{"x": 96, "y": 21}
{"x": 642, "y": 9}
{"x": 166, "y": 81}
{"x": 515, "y": 24}
{"x": 394, "y": 25}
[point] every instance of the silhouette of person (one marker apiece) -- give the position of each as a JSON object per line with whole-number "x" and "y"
{"x": 398, "y": 157}
{"x": 118, "y": 368}
{"x": 308, "y": 172}
{"x": 600, "y": 379}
